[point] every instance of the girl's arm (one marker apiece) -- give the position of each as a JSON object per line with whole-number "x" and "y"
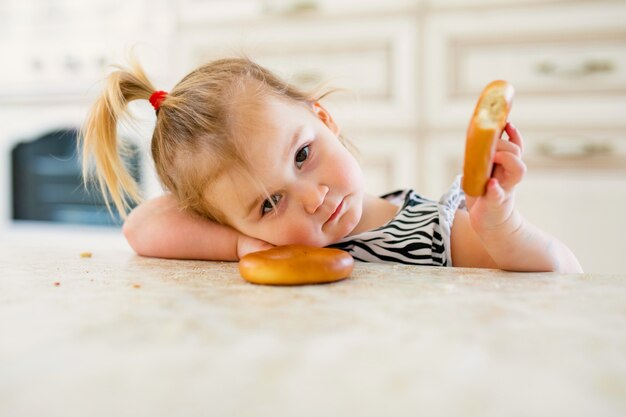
{"x": 524, "y": 248}
{"x": 493, "y": 234}
{"x": 158, "y": 228}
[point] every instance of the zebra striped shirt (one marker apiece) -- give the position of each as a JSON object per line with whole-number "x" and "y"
{"x": 419, "y": 234}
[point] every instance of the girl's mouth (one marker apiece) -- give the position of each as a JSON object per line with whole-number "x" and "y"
{"x": 336, "y": 212}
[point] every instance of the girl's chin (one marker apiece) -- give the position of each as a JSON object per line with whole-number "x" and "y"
{"x": 351, "y": 226}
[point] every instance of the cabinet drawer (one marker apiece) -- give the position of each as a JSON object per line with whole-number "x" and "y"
{"x": 375, "y": 67}
{"x": 589, "y": 64}
{"x": 566, "y": 70}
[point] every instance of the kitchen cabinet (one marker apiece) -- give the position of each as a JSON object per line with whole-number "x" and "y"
{"x": 567, "y": 72}
{"x": 570, "y": 79}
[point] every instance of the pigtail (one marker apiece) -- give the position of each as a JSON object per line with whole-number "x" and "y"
{"x": 100, "y": 142}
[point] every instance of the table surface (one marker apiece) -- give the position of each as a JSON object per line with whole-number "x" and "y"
{"x": 121, "y": 335}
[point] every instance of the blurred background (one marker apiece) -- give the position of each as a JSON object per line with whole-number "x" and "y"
{"x": 411, "y": 70}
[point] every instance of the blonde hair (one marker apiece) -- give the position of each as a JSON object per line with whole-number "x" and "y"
{"x": 193, "y": 136}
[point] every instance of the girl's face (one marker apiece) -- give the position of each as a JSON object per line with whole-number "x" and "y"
{"x": 314, "y": 183}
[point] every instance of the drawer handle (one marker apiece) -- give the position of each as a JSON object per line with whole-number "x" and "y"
{"x": 585, "y": 69}
{"x": 575, "y": 149}
{"x": 290, "y": 8}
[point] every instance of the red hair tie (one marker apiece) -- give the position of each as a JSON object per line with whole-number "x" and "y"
{"x": 156, "y": 98}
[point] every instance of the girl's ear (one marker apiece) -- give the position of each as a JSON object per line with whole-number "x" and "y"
{"x": 325, "y": 117}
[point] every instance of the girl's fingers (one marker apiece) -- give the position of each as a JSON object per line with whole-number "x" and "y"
{"x": 508, "y": 165}
{"x": 506, "y": 146}
{"x": 509, "y": 169}
{"x": 514, "y": 136}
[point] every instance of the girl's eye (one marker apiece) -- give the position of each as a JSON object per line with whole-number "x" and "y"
{"x": 302, "y": 156}
{"x": 269, "y": 204}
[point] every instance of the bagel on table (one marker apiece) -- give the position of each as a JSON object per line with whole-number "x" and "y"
{"x": 296, "y": 265}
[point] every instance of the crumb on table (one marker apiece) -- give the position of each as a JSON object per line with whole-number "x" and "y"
{"x": 85, "y": 254}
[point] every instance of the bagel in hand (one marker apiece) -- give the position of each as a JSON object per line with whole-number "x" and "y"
{"x": 296, "y": 265}
{"x": 485, "y": 128}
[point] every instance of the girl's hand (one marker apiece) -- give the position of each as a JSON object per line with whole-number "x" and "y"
{"x": 247, "y": 244}
{"x": 494, "y": 212}
{"x": 496, "y": 235}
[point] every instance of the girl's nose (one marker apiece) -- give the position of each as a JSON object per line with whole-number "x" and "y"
{"x": 312, "y": 196}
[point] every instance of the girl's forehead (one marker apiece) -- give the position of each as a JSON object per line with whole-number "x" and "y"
{"x": 267, "y": 122}
{"x": 270, "y": 109}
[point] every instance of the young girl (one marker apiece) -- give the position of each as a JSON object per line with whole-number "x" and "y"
{"x": 250, "y": 162}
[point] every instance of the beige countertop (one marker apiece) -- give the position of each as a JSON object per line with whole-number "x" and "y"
{"x": 122, "y": 335}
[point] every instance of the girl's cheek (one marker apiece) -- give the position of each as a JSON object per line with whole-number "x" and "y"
{"x": 292, "y": 234}
{"x": 337, "y": 164}
{"x": 297, "y": 235}
{"x": 350, "y": 172}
